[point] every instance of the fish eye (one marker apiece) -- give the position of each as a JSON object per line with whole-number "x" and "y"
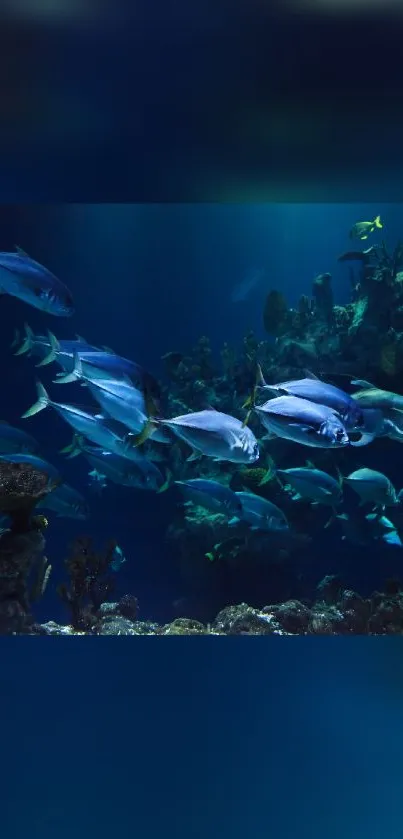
{"x": 339, "y": 434}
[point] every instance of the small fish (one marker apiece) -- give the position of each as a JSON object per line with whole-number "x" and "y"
{"x": 303, "y": 422}
{"x": 211, "y": 495}
{"x": 118, "y": 559}
{"x": 37, "y": 463}
{"x": 213, "y": 434}
{"x": 362, "y": 229}
{"x": 260, "y": 513}
{"x": 243, "y": 289}
{"x": 373, "y": 487}
{"x": 364, "y": 530}
{"x": 66, "y": 502}
{"x": 313, "y": 484}
{"x": 22, "y": 277}
{"x": 14, "y": 441}
{"x": 138, "y": 473}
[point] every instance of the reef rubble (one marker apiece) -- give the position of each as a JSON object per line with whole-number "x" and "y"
{"x": 335, "y": 611}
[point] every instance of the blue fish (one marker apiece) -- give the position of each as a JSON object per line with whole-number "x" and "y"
{"x": 213, "y": 434}
{"x": 125, "y": 403}
{"x": 373, "y": 487}
{"x": 37, "y": 463}
{"x": 321, "y": 393}
{"x": 364, "y": 530}
{"x": 138, "y": 473}
{"x": 313, "y": 484}
{"x": 100, "y": 430}
{"x": 14, "y": 441}
{"x": 66, "y": 502}
{"x": 303, "y": 422}
{"x": 260, "y": 513}
{"x": 48, "y": 348}
{"x": 22, "y": 277}
{"x": 211, "y": 495}
{"x": 118, "y": 559}
{"x": 107, "y": 365}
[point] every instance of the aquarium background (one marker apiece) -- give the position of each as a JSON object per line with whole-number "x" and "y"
{"x": 149, "y": 279}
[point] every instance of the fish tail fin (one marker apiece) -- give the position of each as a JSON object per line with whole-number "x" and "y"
{"x": 53, "y": 350}
{"x": 259, "y": 382}
{"x": 247, "y": 418}
{"x": 167, "y": 483}
{"x": 150, "y": 424}
{"x": 74, "y": 448}
{"x": 271, "y": 472}
{"x": 27, "y": 343}
{"x": 42, "y": 402}
{"x": 74, "y": 376}
{"x": 135, "y": 440}
{"x": 377, "y": 222}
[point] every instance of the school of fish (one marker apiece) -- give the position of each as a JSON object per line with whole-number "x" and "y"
{"x": 113, "y": 435}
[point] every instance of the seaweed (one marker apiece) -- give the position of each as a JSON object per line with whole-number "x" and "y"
{"x": 90, "y": 582}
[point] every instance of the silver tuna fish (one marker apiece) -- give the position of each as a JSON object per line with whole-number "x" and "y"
{"x": 303, "y": 422}
{"x": 22, "y": 277}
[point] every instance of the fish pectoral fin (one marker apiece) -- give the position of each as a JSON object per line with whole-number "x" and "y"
{"x": 167, "y": 483}
{"x": 307, "y": 429}
{"x": 235, "y": 520}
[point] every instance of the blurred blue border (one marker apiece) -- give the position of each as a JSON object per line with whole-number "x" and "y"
{"x": 201, "y": 737}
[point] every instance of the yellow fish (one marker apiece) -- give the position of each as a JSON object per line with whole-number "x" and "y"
{"x": 362, "y": 229}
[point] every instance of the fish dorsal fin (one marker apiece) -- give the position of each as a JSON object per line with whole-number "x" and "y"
{"x": 21, "y": 252}
{"x": 108, "y": 350}
{"x": 309, "y": 375}
{"x": 80, "y": 338}
{"x": 309, "y": 464}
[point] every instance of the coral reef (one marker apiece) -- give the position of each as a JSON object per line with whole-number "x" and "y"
{"x": 24, "y": 571}
{"x": 335, "y": 611}
{"x": 363, "y": 339}
{"x": 90, "y": 582}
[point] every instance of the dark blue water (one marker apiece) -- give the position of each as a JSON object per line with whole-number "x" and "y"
{"x": 148, "y": 279}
